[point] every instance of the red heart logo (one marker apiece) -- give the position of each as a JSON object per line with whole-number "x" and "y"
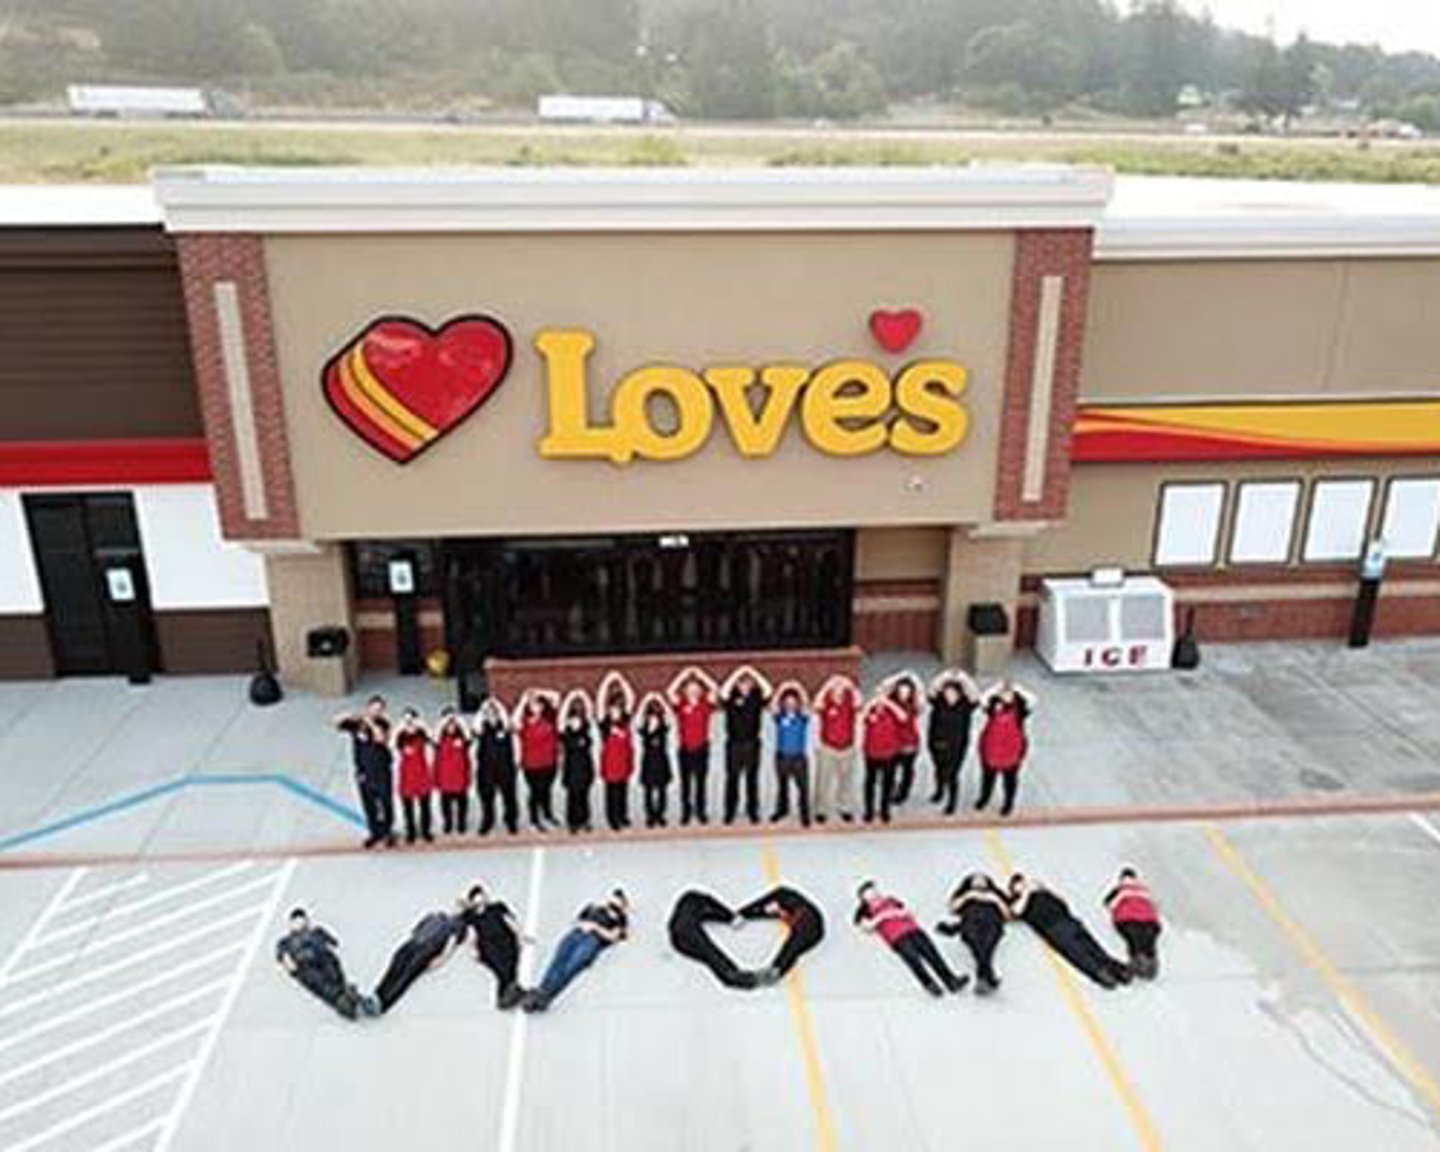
{"x": 401, "y": 386}
{"x": 895, "y": 331}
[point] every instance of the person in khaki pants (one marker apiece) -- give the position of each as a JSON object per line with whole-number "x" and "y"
{"x": 838, "y": 708}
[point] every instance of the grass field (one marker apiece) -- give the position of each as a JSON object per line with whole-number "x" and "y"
{"x": 46, "y": 151}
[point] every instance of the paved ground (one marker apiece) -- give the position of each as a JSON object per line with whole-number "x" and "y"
{"x": 1299, "y": 1006}
{"x": 191, "y": 766}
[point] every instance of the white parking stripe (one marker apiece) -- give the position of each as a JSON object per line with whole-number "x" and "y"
{"x": 135, "y": 881}
{"x": 146, "y": 902}
{"x": 128, "y": 1139}
{"x": 515, "y": 1062}
{"x": 126, "y": 993}
{"x": 1425, "y": 825}
{"x": 93, "y": 974}
{"x": 92, "y": 1038}
{"x": 100, "y": 1071}
{"x": 147, "y": 927}
{"x": 109, "y": 1104}
{"x": 207, "y": 1046}
{"x": 61, "y": 895}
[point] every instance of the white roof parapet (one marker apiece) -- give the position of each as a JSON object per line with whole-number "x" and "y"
{"x": 77, "y": 205}
{"x": 1176, "y": 218}
{"x": 352, "y": 200}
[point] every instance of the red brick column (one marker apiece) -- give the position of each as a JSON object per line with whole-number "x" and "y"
{"x": 1040, "y": 253}
{"x": 205, "y": 260}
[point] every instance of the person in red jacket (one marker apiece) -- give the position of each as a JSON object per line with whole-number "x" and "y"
{"x": 617, "y": 748}
{"x": 417, "y": 779}
{"x": 838, "y": 708}
{"x": 1004, "y": 743}
{"x": 452, "y": 771}
{"x": 881, "y": 720}
{"x": 693, "y": 696}
{"x": 1137, "y": 918}
{"x": 538, "y": 725}
{"x": 905, "y": 689}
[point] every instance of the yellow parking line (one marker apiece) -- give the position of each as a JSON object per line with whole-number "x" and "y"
{"x": 1343, "y": 990}
{"x": 1139, "y": 1115}
{"x": 825, "y": 1139}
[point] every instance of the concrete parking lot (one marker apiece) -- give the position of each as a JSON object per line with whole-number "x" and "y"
{"x": 151, "y": 841}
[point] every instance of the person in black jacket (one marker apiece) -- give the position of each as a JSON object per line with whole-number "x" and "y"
{"x": 978, "y": 911}
{"x": 953, "y": 700}
{"x": 744, "y": 696}
{"x": 1054, "y": 923}
{"x": 656, "y": 771}
{"x": 495, "y": 766}
{"x": 804, "y": 923}
{"x": 369, "y": 733}
{"x": 308, "y": 953}
{"x": 497, "y": 938}
{"x": 577, "y": 760}
{"x": 429, "y": 945}
{"x": 693, "y": 911}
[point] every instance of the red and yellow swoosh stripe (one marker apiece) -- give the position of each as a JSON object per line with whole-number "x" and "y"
{"x": 373, "y": 409}
{"x": 1159, "y": 433}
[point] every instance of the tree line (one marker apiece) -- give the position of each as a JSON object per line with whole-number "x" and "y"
{"x": 726, "y": 59}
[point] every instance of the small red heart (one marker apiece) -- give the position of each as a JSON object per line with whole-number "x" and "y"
{"x": 402, "y": 386}
{"x": 895, "y": 331}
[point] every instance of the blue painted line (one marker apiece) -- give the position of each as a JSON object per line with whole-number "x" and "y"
{"x": 134, "y": 799}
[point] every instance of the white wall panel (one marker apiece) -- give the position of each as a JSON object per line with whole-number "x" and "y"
{"x": 190, "y": 565}
{"x": 19, "y": 583}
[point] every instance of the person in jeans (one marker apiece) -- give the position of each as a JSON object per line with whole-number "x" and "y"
{"x": 693, "y": 696}
{"x": 308, "y": 953}
{"x": 369, "y": 733}
{"x": 880, "y": 721}
{"x": 1053, "y": 922}
{"x": 597, "y": 927}
{"x": 889, "y": 919}
{"x": 656, "y": 771}
{"x": 792, "y": 753}
{"x": 495, "y": 770}
{"x": 953, "y": 700}
{"x": 1136, "y": 917}
{"x": 429, "y": 945}
{"x": 978, "y": 912}
{"x": 497, "y": 938}
{"x": 838, "y": 709}
{"x": 744, "y": 696}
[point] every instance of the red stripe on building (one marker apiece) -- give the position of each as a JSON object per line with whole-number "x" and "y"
{"x": 52, "y": 463}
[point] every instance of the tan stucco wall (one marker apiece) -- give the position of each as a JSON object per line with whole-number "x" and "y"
{"x": 901, "y": 553}
{"x": 695, "y": 300}
{"x": 1160, "y": 331}
{"x": 1113, "y": 506}
{"x": 311, "y": 590}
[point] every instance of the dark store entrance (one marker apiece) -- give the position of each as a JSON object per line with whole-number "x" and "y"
{"x": 549, "y": 597}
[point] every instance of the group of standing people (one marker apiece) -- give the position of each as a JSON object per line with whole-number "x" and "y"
{"x": 576, "y": 740}
{"x": 978, "y": 912}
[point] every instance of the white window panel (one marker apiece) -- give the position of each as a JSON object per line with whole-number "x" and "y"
{"x": 1189, "y": 530}
{"x": 1264, "y": 522}
{"x": 1339, "y": 515}
{"x": 1412, "y": 518}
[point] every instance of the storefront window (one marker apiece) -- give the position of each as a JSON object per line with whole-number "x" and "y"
{"x": 370, "y": 566}
{"x": 635, "y": 594}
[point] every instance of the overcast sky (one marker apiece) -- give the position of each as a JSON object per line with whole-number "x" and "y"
{"x": 1394, "y": 24}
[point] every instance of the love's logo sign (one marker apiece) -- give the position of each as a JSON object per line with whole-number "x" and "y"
{"x": 402, "y": 386}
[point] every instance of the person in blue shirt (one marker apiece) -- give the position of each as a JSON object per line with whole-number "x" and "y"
{"x": 792, "y": 752}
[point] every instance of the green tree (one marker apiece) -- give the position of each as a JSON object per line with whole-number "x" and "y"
{"x": 731, "y": 63}
{"x": 1042, "y": 66}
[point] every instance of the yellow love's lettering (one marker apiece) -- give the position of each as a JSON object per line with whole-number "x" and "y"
{"x": 637, "y": 436}
{"x": 757, "y": 436}
{"x": 850, "y": 391}
{"x": 571, "y": 435}
{"x": 926, "y": 393}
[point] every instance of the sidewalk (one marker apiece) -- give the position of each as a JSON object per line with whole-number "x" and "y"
{"x": 186, "y": 765}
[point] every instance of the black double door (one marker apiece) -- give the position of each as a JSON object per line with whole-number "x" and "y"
{"x": 92, "y": 572}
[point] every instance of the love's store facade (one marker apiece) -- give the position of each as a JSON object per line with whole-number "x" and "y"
{"x": 547, "y": 422}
